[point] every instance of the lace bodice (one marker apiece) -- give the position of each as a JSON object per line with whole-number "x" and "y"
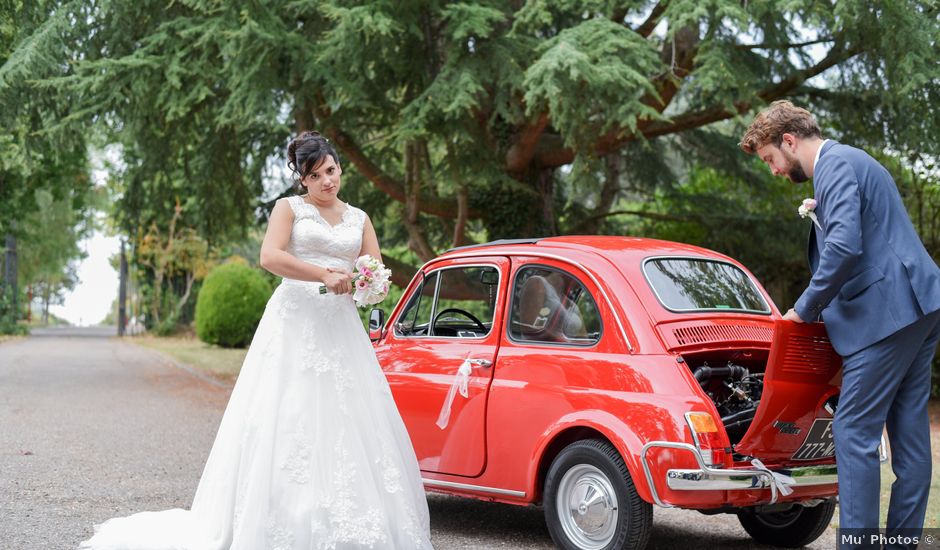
{"x": 315, "y": 241}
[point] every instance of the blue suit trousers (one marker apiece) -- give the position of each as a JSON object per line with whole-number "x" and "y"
{"x": 886, "y": 384}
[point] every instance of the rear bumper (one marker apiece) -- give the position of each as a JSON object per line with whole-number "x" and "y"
{"x": 742, "y": 480}
{"x": 705, "y": 478}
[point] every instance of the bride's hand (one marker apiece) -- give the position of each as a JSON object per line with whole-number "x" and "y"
{"x": 338, "y": 282}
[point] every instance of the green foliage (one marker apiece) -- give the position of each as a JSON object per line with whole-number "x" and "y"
{"x": 591, "y": 79}
{"x": 48, "y": 248}
{"x": 31, "y": 48}
{"x": 230, "y": 305}
{"x": 8, "y": 317}
{"x": 202, "y": 95}
{"x": 551, "y": 116}
{"x": 752, "y": 220}
{"x": 919, "y": 183}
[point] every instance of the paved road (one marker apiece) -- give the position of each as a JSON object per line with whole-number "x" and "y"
{"x": 92, "y": 427}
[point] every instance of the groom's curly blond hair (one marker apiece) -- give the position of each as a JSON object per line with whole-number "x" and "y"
{"x": 782, "y": 117}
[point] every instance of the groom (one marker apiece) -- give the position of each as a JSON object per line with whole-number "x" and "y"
{"x": 878, "y": 292}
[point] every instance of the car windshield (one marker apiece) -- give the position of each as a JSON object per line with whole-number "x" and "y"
{"x": 692, "y": 284}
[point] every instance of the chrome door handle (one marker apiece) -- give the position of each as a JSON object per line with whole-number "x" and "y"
{"x": 484, "y": 363}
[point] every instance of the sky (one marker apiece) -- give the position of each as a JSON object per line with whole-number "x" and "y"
{"x": 92, "y": 297}
{"x": 89, "y": 302}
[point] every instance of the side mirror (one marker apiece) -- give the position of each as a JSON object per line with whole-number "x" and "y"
{"x": 376, "y": 323}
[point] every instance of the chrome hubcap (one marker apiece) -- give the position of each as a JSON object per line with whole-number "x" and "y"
{"x": 587, "y": 507}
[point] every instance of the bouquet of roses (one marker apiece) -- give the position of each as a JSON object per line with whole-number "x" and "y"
{"x": 370, "y": 282}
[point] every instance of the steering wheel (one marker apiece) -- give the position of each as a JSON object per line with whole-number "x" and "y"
{"x": 465, "y": 313}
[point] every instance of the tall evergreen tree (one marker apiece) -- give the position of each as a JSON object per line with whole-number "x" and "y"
{"x": 490, "y": 118}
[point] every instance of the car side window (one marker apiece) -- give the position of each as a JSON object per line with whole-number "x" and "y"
{"x": 415, "y": 318}
{"x": 466, "y": 302}
{"x": 549, "y": 305}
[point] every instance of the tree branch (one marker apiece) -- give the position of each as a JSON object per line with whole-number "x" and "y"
{"x": 417, "y": 240}
{"x": 402, "y": 273}
{"x": 445, "y": 208}
{"x": 695, "y": 119}
{"x": 646, "y": 28}
{"x": 784, "y": 46}
{"x": 520, "y": 154}
{"x": 640, "y": 214}
{"x": 614, "y": 165}
{"x": 679, "y": 54}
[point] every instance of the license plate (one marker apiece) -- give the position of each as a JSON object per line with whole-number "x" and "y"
{"x": 818, "y": 443}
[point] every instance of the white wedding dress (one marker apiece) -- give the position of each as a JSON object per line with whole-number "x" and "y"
{"x": 311, "y": 452}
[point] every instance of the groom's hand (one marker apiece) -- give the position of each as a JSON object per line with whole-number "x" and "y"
{"x": 792, "y": 316}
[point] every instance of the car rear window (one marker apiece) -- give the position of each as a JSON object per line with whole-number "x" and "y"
{"x": 694, "y": 284}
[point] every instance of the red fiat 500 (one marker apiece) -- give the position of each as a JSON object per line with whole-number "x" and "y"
{"x": 601, "y": 375}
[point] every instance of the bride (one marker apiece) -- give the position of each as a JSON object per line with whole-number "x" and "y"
{"x": 311, "y": 452}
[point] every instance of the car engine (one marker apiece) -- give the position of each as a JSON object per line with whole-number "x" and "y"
{"x": 736, "y": 393}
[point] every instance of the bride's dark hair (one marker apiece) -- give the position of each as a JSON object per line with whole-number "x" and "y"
{"x": 306, "y": 152}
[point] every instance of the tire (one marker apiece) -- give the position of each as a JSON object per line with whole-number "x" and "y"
{"x": 617, "y": 519}
{"x": 793, "y": 528}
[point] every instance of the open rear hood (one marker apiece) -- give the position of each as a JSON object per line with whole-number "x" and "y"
{"x": 803, "y": 371}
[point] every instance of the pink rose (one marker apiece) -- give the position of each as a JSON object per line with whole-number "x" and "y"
{"x": 361, "y": 284}
{"x": 809, "y": 204}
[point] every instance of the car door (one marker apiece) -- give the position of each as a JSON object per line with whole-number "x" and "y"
{"x": 452, "y": 314}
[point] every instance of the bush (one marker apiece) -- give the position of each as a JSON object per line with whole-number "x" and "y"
{"x": 230, "y": 305}
{"x": 8, "y": 322}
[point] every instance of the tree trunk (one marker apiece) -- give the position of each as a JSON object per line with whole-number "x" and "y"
{"x": 614, "y": 165}
{"x": 46, "y": 298}
{"x": 417, "y": 241}
{"x": 460, "y": 226}
{"x": 546, "y": 188}
{"x": 122, "y": 293}
{"x": 178, "y": 311}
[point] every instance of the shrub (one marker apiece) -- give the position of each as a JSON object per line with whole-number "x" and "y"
{"x": 230, "y": 305}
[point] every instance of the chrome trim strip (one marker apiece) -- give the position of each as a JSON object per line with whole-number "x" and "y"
{"x": 597, "y": 283}
{"x": 742, "y": 480}
{"x": 720, "y": 473}
{"x": 478, "y": 488}
{"x": 712, "y": 479}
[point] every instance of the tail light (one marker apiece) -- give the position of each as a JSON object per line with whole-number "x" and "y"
{"x": 707, "y": 438}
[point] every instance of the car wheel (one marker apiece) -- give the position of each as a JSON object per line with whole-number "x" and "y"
{"x": 791, "y": 528}
{"x": 591, "y": 502}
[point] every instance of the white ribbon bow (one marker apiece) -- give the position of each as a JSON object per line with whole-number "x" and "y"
{"x": 460, "y": 383}
{"x": 781, "y": 481}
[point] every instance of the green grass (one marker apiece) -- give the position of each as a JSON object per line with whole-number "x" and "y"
{"x": 9, "y": 337}
{"x": 220, "y": 363}
{"x": 933, "y": 502}
{"x": 932, "y": 519}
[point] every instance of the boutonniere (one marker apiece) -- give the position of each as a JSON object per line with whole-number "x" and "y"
{"x": 807, "y": 210}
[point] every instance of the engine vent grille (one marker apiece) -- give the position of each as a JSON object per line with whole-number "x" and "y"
{"x": 809, "y": 355}
{"x": 713, "y": 333}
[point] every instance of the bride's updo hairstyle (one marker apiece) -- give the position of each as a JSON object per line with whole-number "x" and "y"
{"x": 306, "y": 152}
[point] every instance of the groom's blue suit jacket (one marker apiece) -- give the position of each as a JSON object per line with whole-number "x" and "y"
{"x": 871, "y": 274}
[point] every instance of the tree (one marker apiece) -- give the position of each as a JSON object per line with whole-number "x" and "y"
{"x": 50, "y": 246}
{"x": 36, "y": 167}
{"x": 472, "y": 120}
{"x": 31, "y": 158}
{"x": 178, "y": 253}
